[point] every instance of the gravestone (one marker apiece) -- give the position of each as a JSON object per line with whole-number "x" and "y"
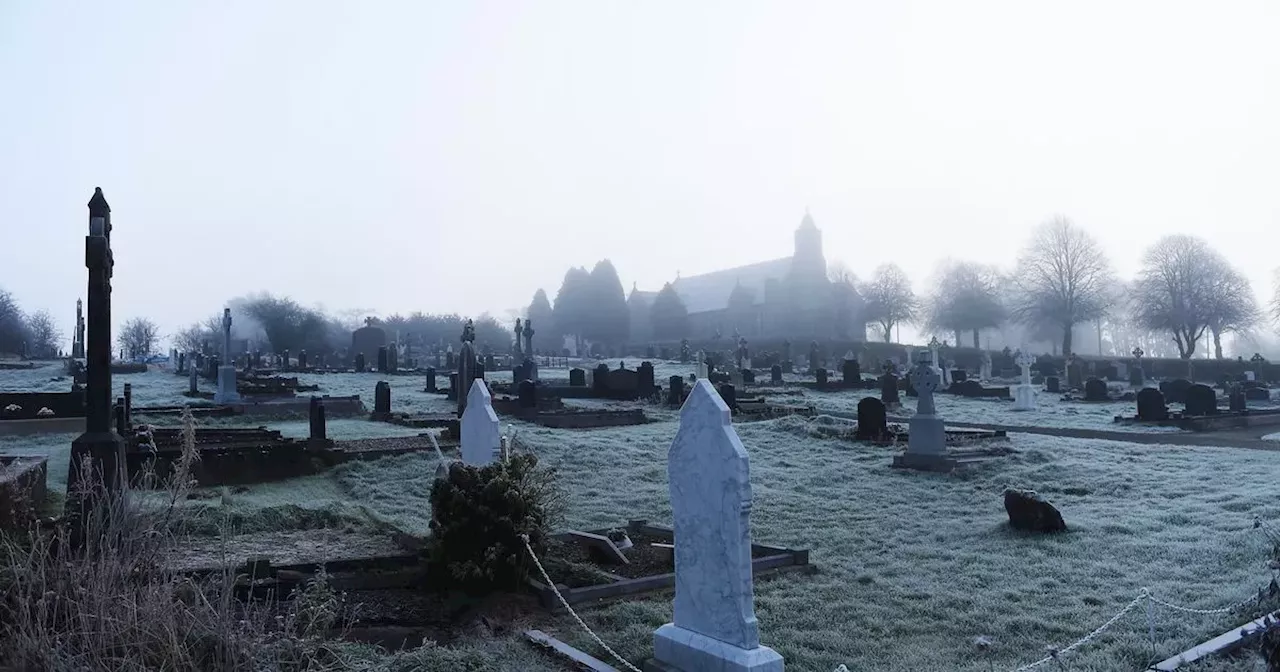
{"x": 393, "y": 357}
{"x": 713, "y": 624}
{"x": 729, "y": 394}
{"x": 600, "y": 380}
{"x": 489, "y": 363}
{"x": 381, "y": 399}
{"x": 1175, "y": 391}
{"x": 360, "y": 363}
{"x": 1136, "y": 378}
{"x": 1052, "y": 385}
{"x": 645, "y": 379}
{"x": 302, "y": 359}
{"x": 889, "y": 389}
{"x": 1095, "y": 390}
{"x": 365, "y": 341}
{"x": 481, "y": 435}
{"x": 675, "y": 390}
{"x": 182, "y": 362}
{"x": 701, "y": 370}
{"x": 193, "y": 384}
{"x": 1236, "y": 400}
{"x": 814, "y": 357}
{"x": 527, "y": 392}
{"x": 926, "y": 434}
{"x": 1024, "y": 394}
{"x": 873, "y": 423}
{"x": 317, "y": 420}
{"x": 383, "y": 366}
{"x": 852, "y": 372}
{"x": 284, "y": 359}
{"x": 431, "y": 379}
{"x": 577, "y": 377}
{"x": 748, "y": 377}
{"x": 821, "y": 375}
{"x": 775, "y": 374}
{"x": 467, "y": 365}
{"x": 226, "y": 393}
{"x": 959, "y": 376}
{"x": 1030, "y": 512}
{"x": 1257, "y": 394}
{"x": 1201, "y": 400}
{"x": 1075, "y": 374}
{"x": 1151, "y": 404}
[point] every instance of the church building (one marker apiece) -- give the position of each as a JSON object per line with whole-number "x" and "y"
{"x": 789, "y": 297}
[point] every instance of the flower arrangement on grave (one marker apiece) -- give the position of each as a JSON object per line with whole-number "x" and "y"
{"x": 478, "y": 517}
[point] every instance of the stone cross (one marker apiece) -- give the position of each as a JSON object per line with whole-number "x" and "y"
{"x": 701, "y": 370}
{"x": 1025, "y": 360}
{"x": 226, "y": 334}
{"x": 519, "y": 330}
{"x": 481, "y": 434}
{"x": 713, "y": 624}
{"x": 528, "y": 338}
{"x": 925, "y": 380}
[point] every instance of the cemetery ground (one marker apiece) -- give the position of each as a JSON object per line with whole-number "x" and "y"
{"x": 908, "y": 567}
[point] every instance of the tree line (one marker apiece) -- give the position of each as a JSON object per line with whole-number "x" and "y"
{"x": 1186, "y": 293}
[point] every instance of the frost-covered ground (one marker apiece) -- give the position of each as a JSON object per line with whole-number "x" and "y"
{"x": 911, "y": 566}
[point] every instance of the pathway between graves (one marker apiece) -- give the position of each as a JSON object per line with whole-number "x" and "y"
{"x": 1241, "y": 438}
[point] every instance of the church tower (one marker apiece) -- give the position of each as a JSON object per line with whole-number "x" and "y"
{"x": 808, "y": 258}
{"x": 808, "y": 289}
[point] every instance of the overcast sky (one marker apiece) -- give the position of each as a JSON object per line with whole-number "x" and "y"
{"x": 456, "y": 156}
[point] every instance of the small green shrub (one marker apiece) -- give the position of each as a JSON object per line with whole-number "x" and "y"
{"x": 478, "y": 517}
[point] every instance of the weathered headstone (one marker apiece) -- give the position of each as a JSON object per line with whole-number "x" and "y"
{"x": 226, "y": 393}
{"x": 1053, "y": 385}
{"x": 959, "y": 376}
{"x": 926, "y": 434}
{"x": 317, "y": 420}
{"x": 431, "y": 379}
{"x": 775, "y": 374}
{"x": 1236, "y": 400}
{"x": 713, "y": 624}
{"x": 360, "y": 363}
{"x": 701, "y": 370}
{"x": 873, "y": 423}
{"x": 1095, "y": 390}
{"x": 1024, "y": 394}
{"x": 675, "y": 390}
{"x": 600, "y": 381}
{"x": 577, "y": 377}
{"x": 481, "y": 434}
{"x": 193, "y": 383}
{"x": 889, "y": 389}
{"x": 1201, "y": 400}
{"x": 1175, "y": 391}
{"x": 1151, "y": 405}
{"x": 748, "y": 377}
{"x": 821, "y": 375}
{"x": 851, "y": 372}
{"x": 383, "y": 366}
{"x": 382, "y": 400}
{"x": 645, "y": 379}
{"x": 729, "y": 394}
{"x": 365, "y": 342}
{"x": 527, "y": 392}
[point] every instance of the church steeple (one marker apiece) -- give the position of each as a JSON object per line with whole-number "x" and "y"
{"x": 808, "y": 246}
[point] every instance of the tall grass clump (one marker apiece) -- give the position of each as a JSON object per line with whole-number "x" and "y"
{"x": 104, "y": 600}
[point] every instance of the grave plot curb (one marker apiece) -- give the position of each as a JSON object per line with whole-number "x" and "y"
{"x": 778, "y": 559}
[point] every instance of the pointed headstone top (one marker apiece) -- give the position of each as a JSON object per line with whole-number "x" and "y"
{"x": 481, "y": 433}
{"x": 98, "y": 206}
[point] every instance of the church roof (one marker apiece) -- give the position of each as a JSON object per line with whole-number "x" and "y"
{"x": 710, "y": 291}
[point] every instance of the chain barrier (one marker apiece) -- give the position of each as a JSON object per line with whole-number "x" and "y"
{"x": 574, "y": 614}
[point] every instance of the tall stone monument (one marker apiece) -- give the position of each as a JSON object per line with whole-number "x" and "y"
{"x": 100, "y": 448}
{"x": 77, "y": 339}
{"x": 530, "y": 361}
{"x": 226, "y": 393}
{"x": 1024, "y": 394}
{"x": 926, "y": 434}
{"x": 466, "y": 366}
{"x": 713, "y": 625}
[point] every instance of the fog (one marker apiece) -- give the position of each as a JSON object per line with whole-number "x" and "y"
{"x": 455, "y": 157}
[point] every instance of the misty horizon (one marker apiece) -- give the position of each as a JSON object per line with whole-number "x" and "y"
{"x": 455, "y": 159}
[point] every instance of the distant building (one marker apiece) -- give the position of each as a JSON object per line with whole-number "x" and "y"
{"x": 786, "y": 297}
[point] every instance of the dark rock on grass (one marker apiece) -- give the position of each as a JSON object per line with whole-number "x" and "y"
{"x": 1030, "y": 512}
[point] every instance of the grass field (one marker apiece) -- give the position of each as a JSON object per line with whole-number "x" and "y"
{"x": 911, "y": 567}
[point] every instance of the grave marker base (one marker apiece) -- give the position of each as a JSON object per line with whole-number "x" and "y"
{"x": 676, "y": 649}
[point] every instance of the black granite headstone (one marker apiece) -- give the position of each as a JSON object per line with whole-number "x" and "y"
{"x": 1095, "y": 390}
{"x": 1201, "y": 400}
{"x": 431, "y": 379}
{"x": 645, "y": 379}
{"x": 360, "y": 364}
{"x": 873, "y": 424}
{"x": 1053, "y": 385}
{"x": 729, "y": 394}
{"x": 889, "y": 389}
{"x": 775, "y": 374}
{"x": 675, "y": 391}
{"x": 821, "y": 375}
{"x": 1175, "y": 391}
{"x": 1151, "y": 405}
{"x": 600, "y": 380}
{"x": 382, "y": 359}
{"x": 382, "y": 398}
{"x": 527, "y": 392}
{"x": 577, "y": 377}
{"x": 851, "y": 372}
{"x": 317, "y": 420}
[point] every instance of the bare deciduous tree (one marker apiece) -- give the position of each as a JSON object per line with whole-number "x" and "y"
{"x": 890, "y": 300}
{"x": 43, "y": 335}
{"x": 1275, "y": 296}
{"x": 1232, "y": 306}
{"x": 13, "y": 327}
{"x": 1062, "y": 278}
{"x": 1177, "y": 290}
{"x": 138, "y": 337}
{"x": 966, "y": 297}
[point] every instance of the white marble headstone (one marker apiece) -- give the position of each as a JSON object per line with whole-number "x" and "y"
{"x": 481, "y": 434}
{"x": 714, "y": 624}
